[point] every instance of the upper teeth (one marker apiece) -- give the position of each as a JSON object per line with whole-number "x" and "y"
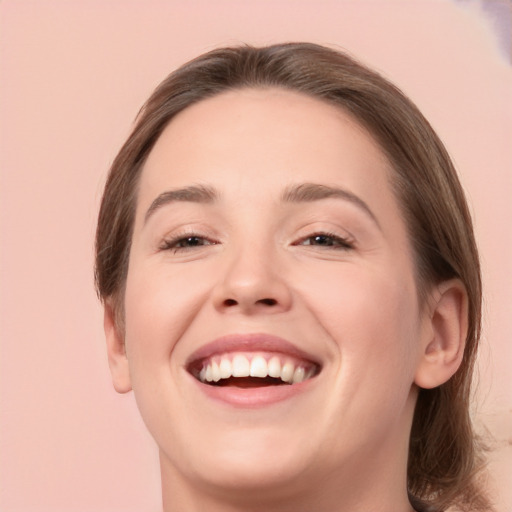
{"x": 257, "y": 365}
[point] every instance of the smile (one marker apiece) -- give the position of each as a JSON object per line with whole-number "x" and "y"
{"x": 254, "y": 369}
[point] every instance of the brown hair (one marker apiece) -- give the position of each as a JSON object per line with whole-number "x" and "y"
{"x": 443, "y": 455}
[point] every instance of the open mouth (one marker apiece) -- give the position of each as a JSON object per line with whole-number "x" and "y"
{"x": 252, "y": 370}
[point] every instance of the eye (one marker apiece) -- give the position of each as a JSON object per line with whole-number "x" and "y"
{"x": 184, "y": 243}
{"x": 328, "y": 240}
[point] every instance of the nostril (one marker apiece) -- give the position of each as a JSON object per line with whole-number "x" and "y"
{"x": 268, "y": 302}
{"x": 265, "y": 302}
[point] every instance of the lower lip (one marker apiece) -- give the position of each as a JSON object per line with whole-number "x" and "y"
{"x": 254, "y": 397}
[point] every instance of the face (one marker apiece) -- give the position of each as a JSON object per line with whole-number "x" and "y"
{"x": 271, "y": 309}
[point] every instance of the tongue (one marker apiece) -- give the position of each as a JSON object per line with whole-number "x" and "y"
{"x": 250, "y": 382}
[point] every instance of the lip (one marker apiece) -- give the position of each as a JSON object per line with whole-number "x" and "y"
{"x": 253, "y": 342}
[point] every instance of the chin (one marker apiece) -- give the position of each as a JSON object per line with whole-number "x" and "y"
{"x": 252, "y": 463}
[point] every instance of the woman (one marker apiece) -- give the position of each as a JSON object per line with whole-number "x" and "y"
{"x": 292, "y": 289}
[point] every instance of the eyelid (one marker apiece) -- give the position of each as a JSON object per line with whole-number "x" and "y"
{"x": 342, "y": 241}
{"x": 168, "y": 242}
{"x": 327, "y": 229}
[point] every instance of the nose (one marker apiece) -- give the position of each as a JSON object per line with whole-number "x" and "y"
{"x": 252, "y": 283}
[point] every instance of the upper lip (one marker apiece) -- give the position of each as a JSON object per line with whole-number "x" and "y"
{"x": 253, "y": 342}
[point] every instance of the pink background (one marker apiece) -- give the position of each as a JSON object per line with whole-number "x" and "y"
{"x": 73, "y": 75}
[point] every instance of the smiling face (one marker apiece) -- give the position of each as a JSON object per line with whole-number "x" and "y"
{"x": 268, "y": 242}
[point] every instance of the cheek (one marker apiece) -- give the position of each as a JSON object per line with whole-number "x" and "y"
{"x": 371, "y": 319}
{"x": 372, "y": 316}
{"x": 160, "y": 303}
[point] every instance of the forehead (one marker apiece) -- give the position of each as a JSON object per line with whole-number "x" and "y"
{"x": 248, "y": 132}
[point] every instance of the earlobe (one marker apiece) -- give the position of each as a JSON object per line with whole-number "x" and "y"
{"x": 117, "y": 359}
{"x": 443, "y": 351}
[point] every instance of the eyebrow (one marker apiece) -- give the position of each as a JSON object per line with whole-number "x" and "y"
{"x": 307, "y": 192}
{"x": 194, "y": 193}
{"x": 302, "y": 193}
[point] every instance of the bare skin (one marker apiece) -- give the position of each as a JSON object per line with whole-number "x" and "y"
{"x": 266, "y": 226}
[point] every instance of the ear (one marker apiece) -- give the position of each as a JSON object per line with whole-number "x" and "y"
{"x": 443, "y": 349}
{"x": 117, "y": 359}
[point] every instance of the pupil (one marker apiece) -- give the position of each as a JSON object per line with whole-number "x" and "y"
{"x": 322, "y": 240}
{"x": 191, "y": 241}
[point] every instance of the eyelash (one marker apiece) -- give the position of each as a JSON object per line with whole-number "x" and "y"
{"x": 172, "y": 244}
{"x": 334, "y": 242}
